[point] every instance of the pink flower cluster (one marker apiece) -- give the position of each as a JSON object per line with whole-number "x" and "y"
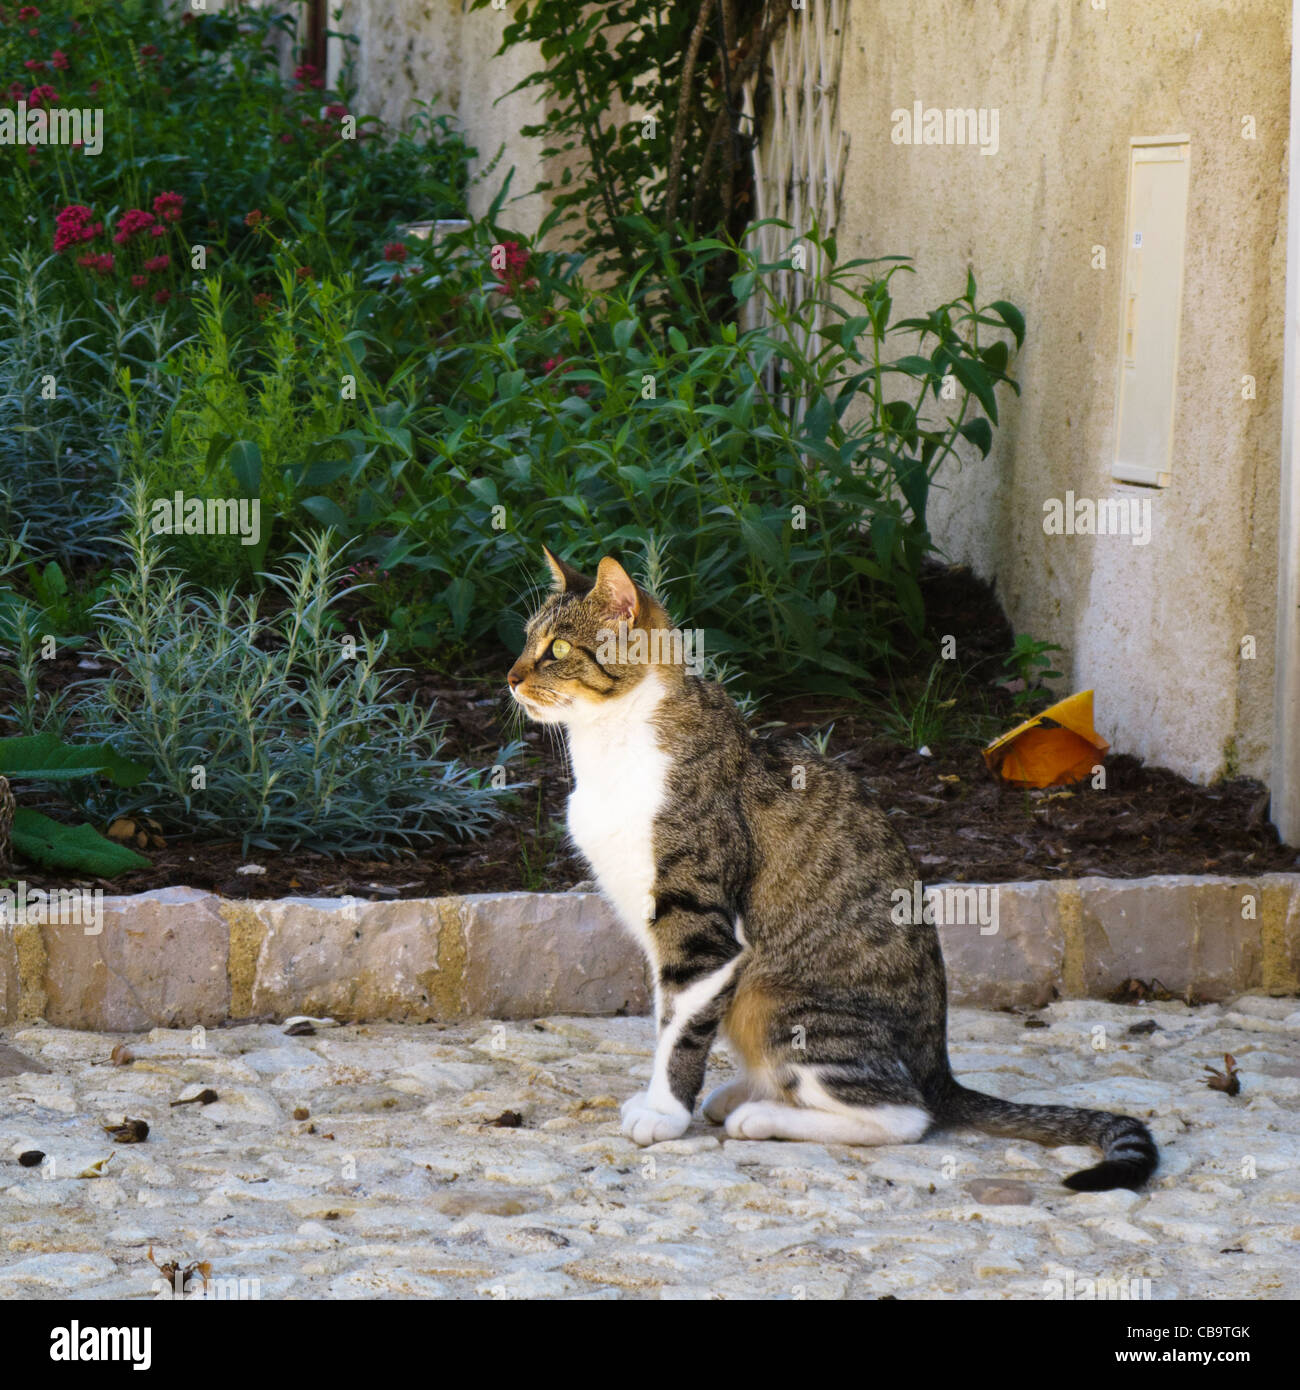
{"x": 133, "y": 220}
{"x": 513, "y": 272}
{"x": 73, "y": 225}
{"x": 137, "y": 221}
{"x": 76, "y": 224}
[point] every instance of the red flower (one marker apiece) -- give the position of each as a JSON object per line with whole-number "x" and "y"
{"x": 100, "y": 264}
{"x": 158, "y": 230}
{"x": 168, "y": 206}
{"x": 59, "y": 59}
{"x": 262, "y": 300}
{"x": 29, "y": 12}
{"x": 304, "y": 272}
{"x": 395, "y": 251}
{"x": 254, "y": 219}
{"x": 335, "y": 111}
{"x": 157, "y": 263}
{"x": 38, "y": 96}
{"x": 34, "y": 65}
{"x": 308, "y": 75}
{"x": 516, "y": 263}
{"x": 162, "y": 297}
{"x": 94, "y": 87}
{"x": 138, "y": 282}
{"x": 286, "y": 138}
{"x": 133, "y": 220}
{"x": 73, "y": 225}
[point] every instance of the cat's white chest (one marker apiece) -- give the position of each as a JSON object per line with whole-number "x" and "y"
{"x": 620, "y": 783}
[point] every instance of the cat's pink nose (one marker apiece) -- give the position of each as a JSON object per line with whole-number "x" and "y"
{"x": 514, "y": 679}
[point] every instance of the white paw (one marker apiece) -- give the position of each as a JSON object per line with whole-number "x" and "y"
{"x": 755, "y": 1119}
{"x": 644, "y": 1124}
{"x": 719, "y": 1103}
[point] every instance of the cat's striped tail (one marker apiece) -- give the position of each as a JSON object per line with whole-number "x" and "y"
{"x": 1129, "y": 1154}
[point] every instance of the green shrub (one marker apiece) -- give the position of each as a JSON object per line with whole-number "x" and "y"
{"x": 301, "y": 740}
{"x": 254, "y": 406}
{"x": 557, "y": 412}
{"x": 62, "y": 414}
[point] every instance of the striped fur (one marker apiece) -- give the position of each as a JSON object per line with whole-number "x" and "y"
{"x": 758, "y": 878}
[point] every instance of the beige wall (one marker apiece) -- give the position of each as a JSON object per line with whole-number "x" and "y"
{"x": 1155, "y": 629}
{"x": 431, "y": 51}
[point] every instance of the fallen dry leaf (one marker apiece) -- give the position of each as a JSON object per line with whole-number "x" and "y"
{"x": 128, "y": 1132}
{"x": 1136, "y": 991}
{"x": 1226, "y": 1080}
{"x": 203, "y": 1098}
{"x": 179, "y": 1278}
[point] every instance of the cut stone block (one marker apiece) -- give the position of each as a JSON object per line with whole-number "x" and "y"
{"x": 9, "y": 982}
{"x": 530, "y": 954}
{"x": 1192, "y": 934}
{"x": 351, "y": 959}
{"x": 1021, "y": 962}
{"x": 159, "y": 960}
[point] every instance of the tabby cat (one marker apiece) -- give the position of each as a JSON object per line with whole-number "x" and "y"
{"x": 758, "y": 879}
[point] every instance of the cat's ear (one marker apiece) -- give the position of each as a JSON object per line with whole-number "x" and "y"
{"x": 615, "y": 590}
{"x": 566, "y": 579}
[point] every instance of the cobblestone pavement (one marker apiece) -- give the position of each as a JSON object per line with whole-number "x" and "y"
{"x": 484, "y": 1161}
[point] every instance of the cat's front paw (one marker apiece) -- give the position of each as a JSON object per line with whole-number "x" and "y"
{"x": 644, "y": 1124}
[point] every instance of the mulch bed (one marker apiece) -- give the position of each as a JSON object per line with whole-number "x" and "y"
{"x": 959, "y": 822}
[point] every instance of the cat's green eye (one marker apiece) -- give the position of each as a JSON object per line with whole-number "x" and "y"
{"x": 560, "y": 648}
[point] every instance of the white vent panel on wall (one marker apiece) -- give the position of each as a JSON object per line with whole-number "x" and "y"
{"x": 1155, "y": 239}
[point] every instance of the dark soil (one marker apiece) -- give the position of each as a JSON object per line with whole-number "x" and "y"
{"x": 959, "y": 821}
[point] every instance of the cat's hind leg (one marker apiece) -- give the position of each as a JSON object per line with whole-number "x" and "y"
{"x": 722, "y": 1100}
{"x": 837, "y": 1105}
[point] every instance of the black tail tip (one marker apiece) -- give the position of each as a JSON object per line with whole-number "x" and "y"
{"x": 1110, "y": 1174}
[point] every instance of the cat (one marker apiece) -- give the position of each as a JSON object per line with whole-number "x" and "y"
{"x": 759, "y": 882}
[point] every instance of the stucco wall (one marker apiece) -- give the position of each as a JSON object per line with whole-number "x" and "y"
{"x": 1156, "y": 629}
{"x": 432, "y": 51}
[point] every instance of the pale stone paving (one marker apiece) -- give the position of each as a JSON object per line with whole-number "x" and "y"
{"x": 396, "y": 1186}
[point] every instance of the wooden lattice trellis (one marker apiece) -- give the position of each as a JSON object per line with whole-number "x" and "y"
{"x": 800, "y": 156}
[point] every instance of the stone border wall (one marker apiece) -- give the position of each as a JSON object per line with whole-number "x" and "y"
{"x": 177, "y": 956}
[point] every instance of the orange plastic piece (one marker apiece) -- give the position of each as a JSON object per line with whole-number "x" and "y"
{"x": 1052, "y": 749}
